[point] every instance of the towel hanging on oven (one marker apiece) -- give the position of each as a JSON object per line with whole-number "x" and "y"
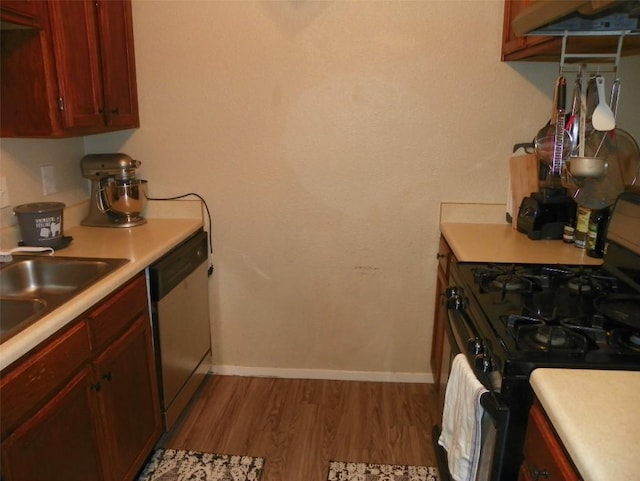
{"x": 461, "y": 420}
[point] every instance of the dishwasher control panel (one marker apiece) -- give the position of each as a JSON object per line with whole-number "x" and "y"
{"x": 177, "y": 264}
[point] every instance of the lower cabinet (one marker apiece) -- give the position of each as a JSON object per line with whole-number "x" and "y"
{"x": 440, "y": 347}
{"x": 78, "y": 409}
{"x": 59, "y": 441}
{"x": 129, "y": 402}
{"x": 544, "y": 455}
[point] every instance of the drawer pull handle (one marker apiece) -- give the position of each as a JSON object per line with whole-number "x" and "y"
{"x": 537, "y": 474}
{"x": 440, "y": 256}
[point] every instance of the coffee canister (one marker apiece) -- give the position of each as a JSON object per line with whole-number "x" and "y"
{"x": 41, "y": 224}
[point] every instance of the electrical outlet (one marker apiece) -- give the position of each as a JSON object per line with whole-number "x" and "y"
{"x": 4, "y": 193}
{"x": 48, "y": 179}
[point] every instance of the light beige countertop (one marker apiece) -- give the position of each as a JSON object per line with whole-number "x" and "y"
{"x": 142, "y": 245}
{"x": 597, "y": 417}
{"x": 501, "y": 243}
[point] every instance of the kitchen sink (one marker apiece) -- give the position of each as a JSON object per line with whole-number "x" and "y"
{"x": 33, "y": 286}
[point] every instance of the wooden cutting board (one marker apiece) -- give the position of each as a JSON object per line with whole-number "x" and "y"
{"x": 523, "y": 175}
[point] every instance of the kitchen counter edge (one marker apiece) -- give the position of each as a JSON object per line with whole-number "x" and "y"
{"x": 500, "y": 243}
{"x": 141, "y": 245}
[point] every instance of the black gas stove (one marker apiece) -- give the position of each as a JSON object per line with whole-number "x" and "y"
{"x": 509, "y": 319}
{"x": 569, "y": 316}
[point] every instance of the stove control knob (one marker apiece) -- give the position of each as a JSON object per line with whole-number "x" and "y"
{"x": 483, "y": 363}
{"x": 455, "y": 298}
{"x": 476, "y": 346}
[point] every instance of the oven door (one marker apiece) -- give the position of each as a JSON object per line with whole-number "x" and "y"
{"x": 463, "y": 338}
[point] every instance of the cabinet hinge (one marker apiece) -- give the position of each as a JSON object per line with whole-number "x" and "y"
{"x": 60, "y": 103}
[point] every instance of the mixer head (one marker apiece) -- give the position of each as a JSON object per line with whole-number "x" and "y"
{"x": 100, "y": 166}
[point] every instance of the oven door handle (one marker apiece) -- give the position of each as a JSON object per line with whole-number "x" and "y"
{"x": 496, "y": 410}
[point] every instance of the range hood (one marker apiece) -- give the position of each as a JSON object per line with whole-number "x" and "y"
{"x": 554, "y": 17}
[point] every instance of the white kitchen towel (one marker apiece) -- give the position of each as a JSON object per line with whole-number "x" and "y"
{"x": 461, "y": 420}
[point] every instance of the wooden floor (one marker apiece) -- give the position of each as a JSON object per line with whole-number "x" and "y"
{"x": 298, "y": 426}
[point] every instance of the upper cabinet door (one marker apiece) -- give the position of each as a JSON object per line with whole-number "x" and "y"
{"x": 77, "y": 60}
{"x": 76, "y": 73}
{"x": 118, "y": 64}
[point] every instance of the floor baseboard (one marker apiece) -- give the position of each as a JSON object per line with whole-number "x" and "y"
{"x": 407, "y": 377}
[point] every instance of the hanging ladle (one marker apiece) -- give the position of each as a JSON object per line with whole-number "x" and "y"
{"x": 602, "y": 118}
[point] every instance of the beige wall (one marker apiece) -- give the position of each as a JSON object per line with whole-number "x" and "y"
{"x": 324, "y": 136}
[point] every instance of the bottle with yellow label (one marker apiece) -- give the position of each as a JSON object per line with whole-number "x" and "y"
{"x": 582, "y": 226}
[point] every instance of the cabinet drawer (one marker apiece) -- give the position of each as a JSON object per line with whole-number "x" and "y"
{"x": 27, "y": 386}
{"x": 545, "y": 457}
{"x": 115, "y": 314}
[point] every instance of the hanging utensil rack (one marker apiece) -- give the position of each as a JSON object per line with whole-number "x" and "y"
{"x": 605, "y": 62}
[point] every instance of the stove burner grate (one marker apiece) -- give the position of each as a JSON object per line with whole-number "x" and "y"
{"x": 512, "y": 282}
{"x": 548, "y": 338}
{"x": 528, "y": 278}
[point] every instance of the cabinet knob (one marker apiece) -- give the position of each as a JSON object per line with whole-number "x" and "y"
{"x": 95, "y": 387}
{"x": 107, "y": 376}
{"x": 115, "y": 111}
{"x": 539, "y": 474}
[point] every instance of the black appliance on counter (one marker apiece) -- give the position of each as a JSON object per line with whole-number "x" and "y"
{"x": 509, "y": 319}
{"x": 544, "y": 214}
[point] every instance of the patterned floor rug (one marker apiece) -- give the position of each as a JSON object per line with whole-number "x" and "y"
{"x": 177, "y": 465}
{"x": 343, "y": 471}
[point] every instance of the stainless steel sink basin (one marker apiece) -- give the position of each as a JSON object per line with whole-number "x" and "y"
{"x": 33, "y": 286}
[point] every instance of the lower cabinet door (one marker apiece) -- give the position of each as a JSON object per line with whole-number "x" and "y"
{"x": 59, "y": 442}
{"x": 129, "y": 400}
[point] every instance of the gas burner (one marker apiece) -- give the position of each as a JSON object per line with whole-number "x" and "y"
{"x": 626, "y": 341}
{"x": 511, "y": 282}
{"x": 591, "y": 283}
{"x": 499, "y": 278}
{"x": 550, "y": 338}
{"x": 579, "y": 284}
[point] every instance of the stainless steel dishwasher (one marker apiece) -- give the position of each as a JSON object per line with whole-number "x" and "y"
{"x": 180, "y": 313}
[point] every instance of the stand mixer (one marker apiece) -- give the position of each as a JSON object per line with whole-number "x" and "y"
{"x": 117, "y": 196}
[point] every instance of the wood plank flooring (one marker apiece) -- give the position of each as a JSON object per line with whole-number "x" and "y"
{"x": 298, "y": 426}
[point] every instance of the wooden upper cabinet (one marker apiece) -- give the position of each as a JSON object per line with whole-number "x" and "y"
{"x": 77, "y": 61}
{"x": 19, "y": 14}
{"x": 74, "y": 76}
{"x": 549, "y": 48}
{"x": 118, "y": 65}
